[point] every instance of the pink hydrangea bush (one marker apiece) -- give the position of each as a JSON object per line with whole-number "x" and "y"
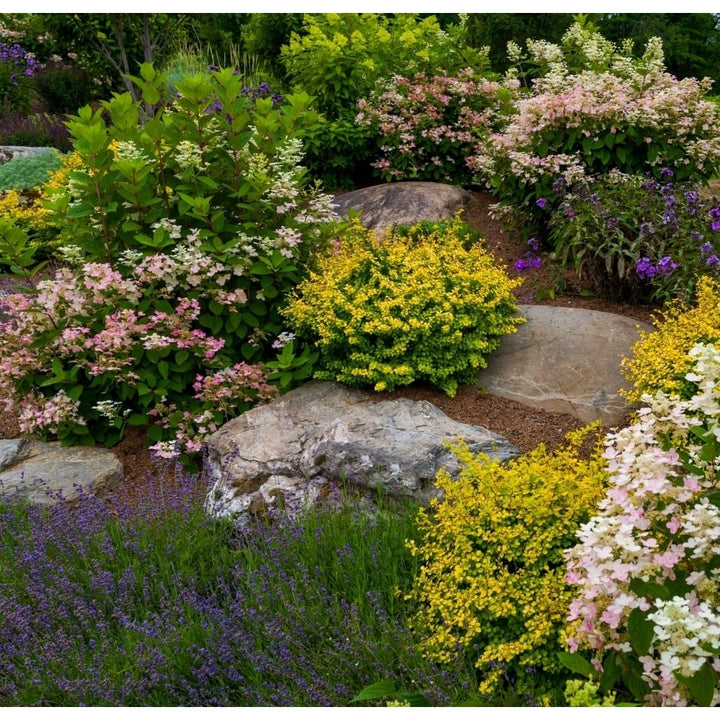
{"x": 647, "y": 567}
{"x": 593, "y": 108}
{"x": 91, "y": 351}
{"x": 427, "y": 125}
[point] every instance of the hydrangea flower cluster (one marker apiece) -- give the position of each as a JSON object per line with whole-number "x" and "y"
{"x": 651, "y": 553}
{"x": 429, "y": 124}
{"x": 593, "y": 108}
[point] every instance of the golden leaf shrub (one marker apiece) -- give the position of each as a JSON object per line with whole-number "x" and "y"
{"x": 660, "y": 359}
{"x": 493, "y": 571}
{"x": 417, "y": 305}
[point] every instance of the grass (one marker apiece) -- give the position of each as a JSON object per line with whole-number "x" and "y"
{"x": 163, "y": 606}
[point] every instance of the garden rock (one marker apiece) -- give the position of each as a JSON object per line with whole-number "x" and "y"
{"x": 566, "y": 360}
{"x": 41, "y": 473}
{"x": 10, "y": 152}
{"x": 292, "y": 451}
{"x": 402, "y": 203}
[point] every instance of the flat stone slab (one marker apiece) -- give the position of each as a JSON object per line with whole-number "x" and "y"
{"x": 403, "y": 203}
{"x": 37, "y": 472}
{"x": 566, "y": 360}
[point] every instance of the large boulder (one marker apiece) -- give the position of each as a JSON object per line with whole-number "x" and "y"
{"x": 42, "y": 473}
{"x": 565, "y": 360}
{"x": 290, "y": 451}
{"x": 11, "y": 152}
{"x": 402, "y": 203}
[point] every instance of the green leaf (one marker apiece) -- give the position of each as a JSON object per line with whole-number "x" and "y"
{"x": 714, "y": 499}
{"x": 163, "y": 368}
{"x": 632, "y": 678}
{"x": 610, "y": 674}
{"x": 381, "y": 689}
{"x": 577, "y": 663}
{"x": 137, "y": 419}
{"x": 640, "y": 630}
{"x": 701, "y": 685}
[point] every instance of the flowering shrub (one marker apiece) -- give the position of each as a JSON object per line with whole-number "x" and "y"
{"x": 428, "y": 125}
{"x": 647, "y": 567}
{"x": 16, "y": 68}
{"x": 660, "y": 359}
{"x": 339, "y": 58}
{"x": 492, "y": 581}
{"x": 606, "y": 111}
{"x": 635, "y": 237}
{"x": 186, "y": 233}
{"x": 412, "y": 306}
{"x": 108, "y": 350}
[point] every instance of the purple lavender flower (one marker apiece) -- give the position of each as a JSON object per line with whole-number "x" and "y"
{"x": 534, "y": 244}
{"x": 541, "y": 203}
{"x": 666, "y": 172}
{"x": 646, "y": 229}
{"x": 713, "y": 260}
{"x": 705, "y": 248}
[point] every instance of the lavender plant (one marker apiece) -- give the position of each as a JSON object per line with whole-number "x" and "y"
{"x": 635, "y": 237}
{"x": 162, "y": 606}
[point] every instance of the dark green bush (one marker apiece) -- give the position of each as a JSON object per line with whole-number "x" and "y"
{"x": 64, "y": 90}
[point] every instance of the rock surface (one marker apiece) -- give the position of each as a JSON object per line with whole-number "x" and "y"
{"x": 10, "y": 152}
{"x": 402, "y": 203}
{"x": 295, "y": 448}
{"x": 565, "y": 360}
{"x": 39, "y": 472}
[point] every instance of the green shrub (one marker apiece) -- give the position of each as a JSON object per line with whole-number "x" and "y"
{"x": 412, "y": 306}
{"x": 492, "y": 581}
{"x": 29, "y": 171}
{"x": 64, "y": 89}
{"x": 185, "y": 233}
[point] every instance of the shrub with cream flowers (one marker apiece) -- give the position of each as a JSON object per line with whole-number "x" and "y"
{"x": 185, "y": 228}
{"x": 647, "y": 567}
{"x": 592, "y": 108}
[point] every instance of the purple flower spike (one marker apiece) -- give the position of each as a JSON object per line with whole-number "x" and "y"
{"x": 541, "y": 203}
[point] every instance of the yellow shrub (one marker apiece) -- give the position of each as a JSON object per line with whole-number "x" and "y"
{"x": 660, "y": 358}
{"x": 414, "y": 305}
{"x": 29, "y": 211}
{"x": 493, "y": 571}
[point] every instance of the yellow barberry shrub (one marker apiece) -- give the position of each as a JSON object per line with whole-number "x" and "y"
{"x": 30, "y": 212}
{"x": 492, "y": 579}
{"x": 659, "y": 359}
{"x": 417, "y": 305}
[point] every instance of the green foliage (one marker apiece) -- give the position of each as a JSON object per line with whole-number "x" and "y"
{"x": 29, "y": 171}
{"x": 64, "y": 89}
{"x": 199, "y": 222}
{"x": 415, "y": 305}
{"x": 338, "y": 58}
{"x": 493, "y": 574}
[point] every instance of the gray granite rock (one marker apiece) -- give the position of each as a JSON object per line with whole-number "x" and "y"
{"x": 402, "y": 203}
{"x": 289, "y": 450}
{"x": 565, "y": 360}
{"x": 38, "y": 472}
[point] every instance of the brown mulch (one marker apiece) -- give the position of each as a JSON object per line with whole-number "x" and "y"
{"x": 524, "y": 426}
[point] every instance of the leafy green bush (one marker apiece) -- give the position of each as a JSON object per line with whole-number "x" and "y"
{"x": 29, "y": 171}
{"x": 492, "y": 581}
{"x": 64, "y": 89}
{"x": 185, "y": 233}
{"x": 412, "y": 306}
{"x": 339, "y": 58}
